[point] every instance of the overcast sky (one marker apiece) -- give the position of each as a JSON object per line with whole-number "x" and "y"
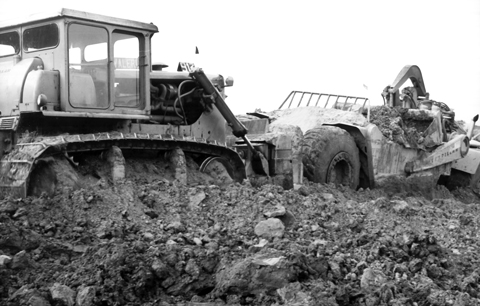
{"x": 273, "y": 47}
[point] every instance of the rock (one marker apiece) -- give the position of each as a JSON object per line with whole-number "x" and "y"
{"x": 261, "y": 243}
{"x": 292, "y": 294}
{"x": 424, "y": 285}
{"x": 5, "y": 260}
{"x": 399, "y": 206}
{"x": 335, "y": 268}
{"x": 148, "y": 236}
{"x": 256, "y": 275}
{"x": 86, "y": 296}
{"x": 372, "y": 279}
{"x": 276, "y": 211}
{"x": 288, "y": 219}
{"x": 351, "y": 276}
{"x": 318, "y": 242}
{"x": 160, "y": 269}
{"x": 192, "y": 268}
{"x": 21, "y": 260}
{"x": 197, "y": 241}
{"x": 140, "y": 246}
{"x": 452, "y": 227}
{"x": 332, "y": 225}
{"x": 176, "y": 226}
{"x": 257, "y": 247}
{"x": 102, "y": 233}
{"x": 26, "y": 296}
{"x": 302, "y": 190}
{"x": 212, "y": 246}
{"x": 415, "y": 265}
{"x": 464, "y": 299}
{"x": 381, "y": 202}
{"x": 22, "y": 211}
{"x": 328, "y": 197}
{"x": 400, "y": 268}
{"x": 63, "y": 294}
{"x": 38, "y": 300}
{"x": 456, "y": 252}
{"x": 168, "y": 282}
{"x": 78, "y": 229}
{"x": 440, "y": 297}
{"x": 270, "y": 228}
{"x": 196, "y": 198}
{"x": 50, "y": 227}
{"x": 270, "y": 261}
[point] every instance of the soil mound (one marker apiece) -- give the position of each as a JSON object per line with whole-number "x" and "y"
{"x": 149, "y": 241}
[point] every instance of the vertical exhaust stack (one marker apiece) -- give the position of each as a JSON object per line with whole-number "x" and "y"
{"x": 471, "y": 127}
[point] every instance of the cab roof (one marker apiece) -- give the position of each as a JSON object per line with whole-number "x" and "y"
{"x": 54, "y": 14}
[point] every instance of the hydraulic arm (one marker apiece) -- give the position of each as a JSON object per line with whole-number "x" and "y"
{"x": 238, "y": 129}
{"x": 391, "y": 95}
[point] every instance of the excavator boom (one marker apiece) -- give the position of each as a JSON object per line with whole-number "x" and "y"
{"x": 409, "y": 72}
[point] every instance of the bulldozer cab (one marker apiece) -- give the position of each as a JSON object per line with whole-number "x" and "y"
{"x": 89, "y": 63}
{"x": 90, "y": 78}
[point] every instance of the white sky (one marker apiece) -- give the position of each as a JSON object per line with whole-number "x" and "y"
{"x": 274, "y": 47}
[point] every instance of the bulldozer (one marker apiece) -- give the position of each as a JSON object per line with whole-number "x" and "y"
{"x": 342, "y": 145}
{"x": 75, "y": 84}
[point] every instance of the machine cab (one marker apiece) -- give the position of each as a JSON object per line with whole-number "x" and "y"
{"x": 72, "y": 61}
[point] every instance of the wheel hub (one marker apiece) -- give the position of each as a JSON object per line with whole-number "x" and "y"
{"x": 340, "y": 171}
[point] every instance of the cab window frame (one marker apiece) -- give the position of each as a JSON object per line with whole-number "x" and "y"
{"x": 86, "y": 63}
{"x": 24, "y": 40}
{"x": 17, "y": 51}
{"x": 140, "y": 69}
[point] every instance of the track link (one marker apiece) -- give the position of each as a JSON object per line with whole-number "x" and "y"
{"x": 16, "y": 167}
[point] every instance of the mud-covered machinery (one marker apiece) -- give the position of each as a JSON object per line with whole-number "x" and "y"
{"x": 343, "y": 148}
{"x": 465, "y": 171}
{"x": 73, "y": 82}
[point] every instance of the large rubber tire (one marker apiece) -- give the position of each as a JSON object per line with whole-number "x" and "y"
{"x": 330, "y": 155}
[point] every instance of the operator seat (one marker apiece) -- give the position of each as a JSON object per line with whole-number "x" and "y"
{"x": 82, "y": 89}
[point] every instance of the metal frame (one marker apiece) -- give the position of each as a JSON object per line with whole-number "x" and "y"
{"x": 348, "y": 101}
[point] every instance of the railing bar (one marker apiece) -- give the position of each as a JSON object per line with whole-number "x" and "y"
{"x": 291, "y": 100}
{"x": 301, "y": 99}
{"x": 328, "y": 99}
{"x": 344, "y": 107}
{"x": 311, "y": 96}
{"x": 318, "y": 99}
{"x": 286, "y": 100}
{"x": 338, "y": 99}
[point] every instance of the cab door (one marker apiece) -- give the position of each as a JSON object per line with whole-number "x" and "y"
{"x": 88, "y": 66}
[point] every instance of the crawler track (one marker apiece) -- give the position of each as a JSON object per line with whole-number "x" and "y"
{"x": 16, "y": 167}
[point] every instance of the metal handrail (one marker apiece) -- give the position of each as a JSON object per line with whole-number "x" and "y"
{"x": 348, "y": 101}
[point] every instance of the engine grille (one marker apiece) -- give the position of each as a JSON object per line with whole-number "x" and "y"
{"x": 8, "y": 123}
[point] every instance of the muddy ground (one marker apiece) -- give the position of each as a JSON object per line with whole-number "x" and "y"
{"x": 150, "y": 241}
